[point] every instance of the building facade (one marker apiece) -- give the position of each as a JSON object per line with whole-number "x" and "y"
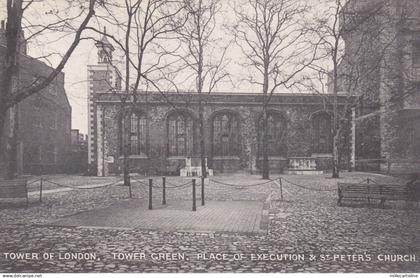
{"x": 42, "y": 121}
{"x": 159, "y": 130}
{"x": 385, "y": 50}
{"x": 78, "y": 156}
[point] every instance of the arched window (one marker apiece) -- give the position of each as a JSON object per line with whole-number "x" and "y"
{"x": 180, "y": 135}
{"x": 226, "y": 135}
{"x": 322, "y": 138}
{"x": 137, "y": 134}
{"x": 276, "y": 135}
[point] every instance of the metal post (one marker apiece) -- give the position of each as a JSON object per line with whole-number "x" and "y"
{"x": 202, "y": 191}
{"x": 194, "y": 206}
{"x": 281, "y": 190}
{"x": 40, "y": 190}
{"x": 150, "y": 193}
{"x": 129, "y": 187}
{"x": 353, "y": 140}
{"x": 163, "y": 190}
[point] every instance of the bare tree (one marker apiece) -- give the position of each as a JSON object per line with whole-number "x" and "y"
{"x": 351, "y": 68}
{"x": 202, "y": 57}
{"x": 273, "y": 40}
{"x": 12, "y": 92}
{"x": 146, "y": 26}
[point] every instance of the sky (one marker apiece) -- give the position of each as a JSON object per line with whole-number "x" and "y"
{"x": 86, "y": 54}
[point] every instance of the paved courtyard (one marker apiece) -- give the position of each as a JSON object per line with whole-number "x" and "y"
{"x": 305, "y": 230}
{"x": 215, "y": 216}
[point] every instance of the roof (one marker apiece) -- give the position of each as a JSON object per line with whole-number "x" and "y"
{"x": 104, "y": 42}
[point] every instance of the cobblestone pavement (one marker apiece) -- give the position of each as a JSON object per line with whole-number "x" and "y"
{"x": 354, "y": 238}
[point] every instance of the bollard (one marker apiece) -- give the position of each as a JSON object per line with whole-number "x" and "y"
{"x": 163, "y": 190}
{"x": 202, "y": 191}
{"x": 150, "y": 193}
{"x": 194, "y": 206}
{"x": 129, "y": 187}
{"x": 40, "y": 191}
{"x": 281, "y": 190}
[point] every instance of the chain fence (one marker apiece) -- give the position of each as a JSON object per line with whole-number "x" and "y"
{"x": 81, "y": 188}
{"x": 163, "y": 183}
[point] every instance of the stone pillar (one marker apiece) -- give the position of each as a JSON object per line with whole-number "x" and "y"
{"x": 100, "y": 142}
{"x": 249, "y": 135}
{"x": 91, "y": 123}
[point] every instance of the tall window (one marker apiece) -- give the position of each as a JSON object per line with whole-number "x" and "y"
{"x": 180, "y": 135}
{"x": 416, "y": 54}
{"x": 276, "y": 135}
{"x": 36, "y": 116}
{"x": 54, "y": 119}
{"x": 322, "y": 138}
{"x": 138, "y": 134}
{"x": 38, "y": 154}
{"x": 226, "y": 135}
{"x": 411, "y": 143}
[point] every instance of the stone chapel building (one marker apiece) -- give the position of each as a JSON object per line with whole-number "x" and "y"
{"x": 161, "y": 131}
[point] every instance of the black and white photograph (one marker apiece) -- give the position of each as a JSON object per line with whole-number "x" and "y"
{"x": 210, "y": 136}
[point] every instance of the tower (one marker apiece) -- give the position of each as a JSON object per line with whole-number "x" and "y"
{"x": 103, "y": 78}
{"x": 105, "y": 50}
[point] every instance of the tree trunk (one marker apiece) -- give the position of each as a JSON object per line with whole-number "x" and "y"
{"x": 335, "y": 162}
{"x": 12, "y": 174}
{"x": 126, "y": 171}
{"x": 3, "y": 114}
{"x": 265, "y": 166}
{"x": 125, "y": 142}
{"x": 202, "y": 145}
{"x": 5, "y": 147}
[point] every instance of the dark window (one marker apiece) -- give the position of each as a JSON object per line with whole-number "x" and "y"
{"x": 276, "y": 135}
{"x": 55, "y": 153}
{"x": 226, "y": 135}
{"x": 36, "y": 116}
{"x": 412, "y": 145}
{"x": 416, "y": 54}
{"x": 180, "y": 135}
{"x": 137, "y": 140}
{"x": 54, "y": 119}
{"x": 38, "y": 155}
{"x": 322, "y": 139}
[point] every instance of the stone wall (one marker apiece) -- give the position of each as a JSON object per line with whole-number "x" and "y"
{"x": 44, "y": 120}
{"x": 296, "y": 109}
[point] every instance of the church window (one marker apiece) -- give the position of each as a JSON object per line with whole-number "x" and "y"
{"x": 322, "y": 138}
{"x": 226, "y": 135}
{"x": 180, "y": 130}
{"x": 276, "y": 135}
{"x": 137, "y": 134}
